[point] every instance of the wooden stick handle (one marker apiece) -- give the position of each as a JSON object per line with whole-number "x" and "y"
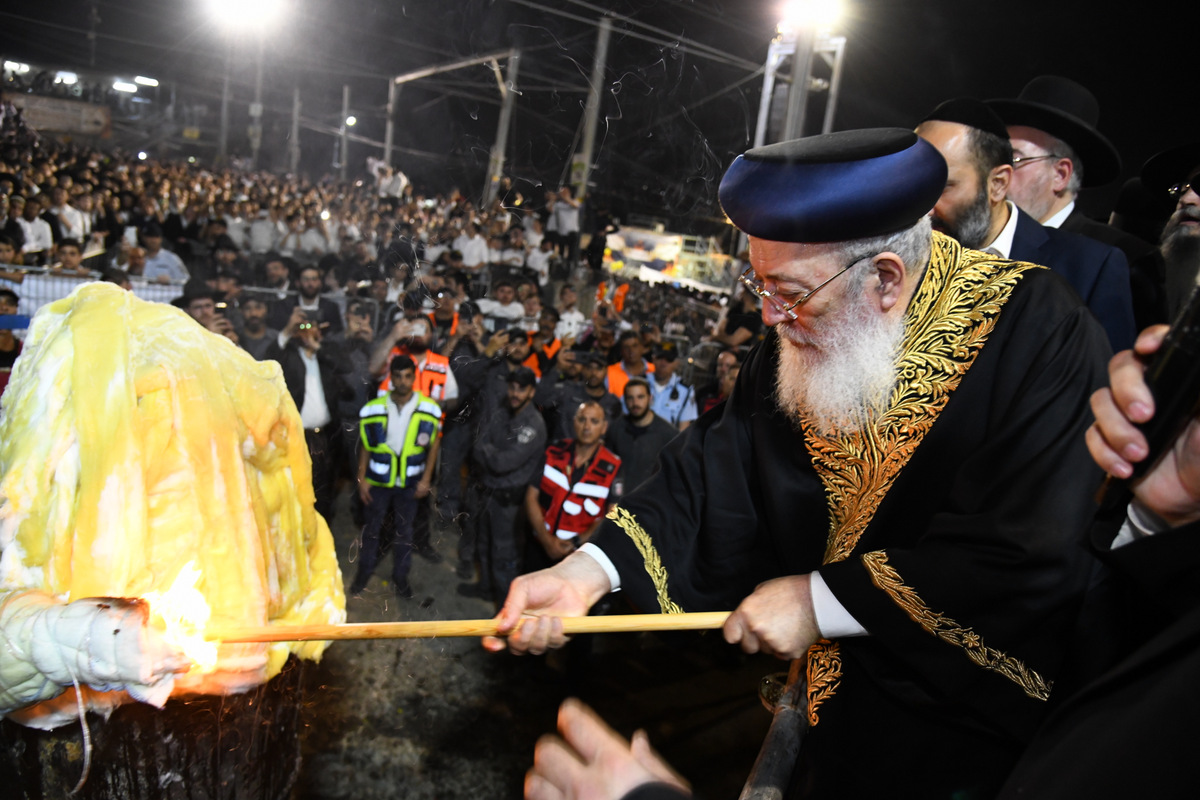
{"x": 463, "y": 627}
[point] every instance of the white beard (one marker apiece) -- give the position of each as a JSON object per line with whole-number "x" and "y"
{"x": 839, "y": 378}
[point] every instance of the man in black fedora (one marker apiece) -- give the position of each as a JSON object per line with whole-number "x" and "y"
{"x": 1057, "y": 151}
{"x": 1175, "y": 174}
{"x": 974, "y": 209}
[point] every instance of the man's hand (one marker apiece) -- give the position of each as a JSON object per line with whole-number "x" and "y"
{"x": 777, "y": 619}
{"x": 593, "y": 762}
{"x": 568, "y": 589}
{"x": 422, "y": 489}
{"x": 364, "y": 491}
{"x": 1172, "y": 489}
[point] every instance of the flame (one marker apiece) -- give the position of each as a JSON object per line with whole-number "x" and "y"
{"x": 183, "y": 613}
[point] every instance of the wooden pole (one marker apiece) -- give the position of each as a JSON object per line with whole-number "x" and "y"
{"x": 434, "y": 629}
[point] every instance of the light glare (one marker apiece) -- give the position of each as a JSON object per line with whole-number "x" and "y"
{"x": 67, "y": 78}
{"x": 351, "y": 120}
{"x": 142, "y": 155}
{"x": 122, "y": 86}
{"x": 819, "y": 15}
{"x": 141, "y": 81}
{"x": 245, "y": 15}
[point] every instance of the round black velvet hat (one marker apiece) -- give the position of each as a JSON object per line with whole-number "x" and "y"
{"x": 834, "y": 187}
{"x": 972, "y": 113}
{"x": 1170, "y": 167}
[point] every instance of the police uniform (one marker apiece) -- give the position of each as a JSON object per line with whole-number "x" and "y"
{"x": 505, "y": 459}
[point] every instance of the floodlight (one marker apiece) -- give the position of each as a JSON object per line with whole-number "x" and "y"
{"x": 351, "y": 121}
{"x": 142, "y": 81}
{"x": 820, "y": 15}
{"x": 16, "y": 66}
{"x": 66, "y": 78}
{"x": 123, "y": 86}
{"x": 245, "y": 15}
{"x": 142, "y": 155}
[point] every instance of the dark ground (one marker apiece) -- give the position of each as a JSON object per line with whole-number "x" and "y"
{"x": 442, "y": 718}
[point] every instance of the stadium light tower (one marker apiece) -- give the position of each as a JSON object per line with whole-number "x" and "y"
{"x": 804, "y": 31}
{"x": 245, "y": 18}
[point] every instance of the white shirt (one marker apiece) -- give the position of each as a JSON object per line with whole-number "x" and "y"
{"x": 315, "y": 412}
{"x": 570, "y": 324}
{"x": 1002, "y": 244}
{"x": 71, "y": 220}
{"x": 474, "y": 249}
{"x": 539, "y": 261}
{"x": 680, "y": 409}
{"x": 398, "y": 419}
{"x": 38, "y": 236}
{"x": 164, "y": 262}
{"x": 1058, "y": 219}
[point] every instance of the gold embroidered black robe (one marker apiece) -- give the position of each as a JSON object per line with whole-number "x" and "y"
{"x": 950, "y": 530}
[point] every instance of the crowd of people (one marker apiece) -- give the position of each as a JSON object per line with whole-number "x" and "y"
{"x": 341, "y": 283}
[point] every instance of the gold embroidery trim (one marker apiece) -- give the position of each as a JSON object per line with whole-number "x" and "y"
{"x": 824, "y": 675}
{"x": 950, "y": 317}
{"x": 650, "y": 558}
{"x": 886, "y": 578}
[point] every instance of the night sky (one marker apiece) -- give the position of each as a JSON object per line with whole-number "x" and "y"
{"x": 677, "y": 108}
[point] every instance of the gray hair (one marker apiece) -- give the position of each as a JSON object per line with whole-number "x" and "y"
{"x": 913, "y": 245}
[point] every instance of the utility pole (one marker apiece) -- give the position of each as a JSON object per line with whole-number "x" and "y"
{"x": 256, "y": 108}
{"x": 508, "y": 90}
{"x": 294, "y": 139}
{"x": 389, "y": 127}
{"x": 345, "y": 152}
{"x": 223, "y": 143}
{"x": 592, "y": 110}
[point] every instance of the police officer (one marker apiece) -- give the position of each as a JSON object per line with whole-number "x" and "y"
{"x": 673, "y": 400}
{"x": 505, "y": 459}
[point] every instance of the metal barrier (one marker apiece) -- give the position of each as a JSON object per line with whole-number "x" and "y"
{"x": 43, "y": 286}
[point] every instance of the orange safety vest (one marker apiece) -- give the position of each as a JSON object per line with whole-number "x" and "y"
{"x": 431, "y": 378}
{"x": 538, "y": 362}
{"x": 618, "y": 300}
{"x": 573, "y": 508}
{"x": 618, "y": 377}
{"x": 453, "y": 322}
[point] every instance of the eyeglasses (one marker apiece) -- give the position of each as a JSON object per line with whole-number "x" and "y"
{"x": 780, "y": 301}
{"x": 1020, "y": 161}
{"x": 1180, "y": 189}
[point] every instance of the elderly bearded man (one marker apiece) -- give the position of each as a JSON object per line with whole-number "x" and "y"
{"x": 897, "y": 487}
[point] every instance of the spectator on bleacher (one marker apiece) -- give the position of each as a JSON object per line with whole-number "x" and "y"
{"x": 473, "y": 246}
{"x": 39, "y": 240}
{"x": 162, "y": 265}
{"x": 673, "y": 400}
{"x": 8, "y": 257}
{"x": 277, "y": 275}
{"x": 70, "y": 220}
{"x": 571, "y": 320}
{"x": 741, "y": 323}
{"x": 323, "y": 311}
{"x": 265, "y": 231}
{"x": 502, "y": 309}
{"x": 540, "y": 260}
{"x": 200, "y": 303}
{"x": 10, "y": 226}
{"x": 10, "y": 345}
{"x": 70, "y": 258}
{"x": 256, "y": 337}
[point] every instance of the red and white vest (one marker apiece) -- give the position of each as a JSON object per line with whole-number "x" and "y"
{"x": 574, "y": 507}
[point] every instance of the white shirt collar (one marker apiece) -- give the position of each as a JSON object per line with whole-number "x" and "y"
{"x": 1002, "y": 244}
{"x": 1058, "y": 219}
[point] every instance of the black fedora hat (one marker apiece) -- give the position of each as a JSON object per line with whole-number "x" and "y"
{"x": 1176, "y": 165}
{"x": 1067, "y": 111}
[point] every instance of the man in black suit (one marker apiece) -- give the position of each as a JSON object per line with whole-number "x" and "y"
{"x": 1056, "y": 152}
{"x": 973, "y": 210}
{"x": 1175, "y": 174}
{"x": 328, "y": 315}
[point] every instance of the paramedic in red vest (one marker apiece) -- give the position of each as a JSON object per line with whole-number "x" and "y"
{"x": 566, "y": 504}
{"x": 400, "y": 435}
